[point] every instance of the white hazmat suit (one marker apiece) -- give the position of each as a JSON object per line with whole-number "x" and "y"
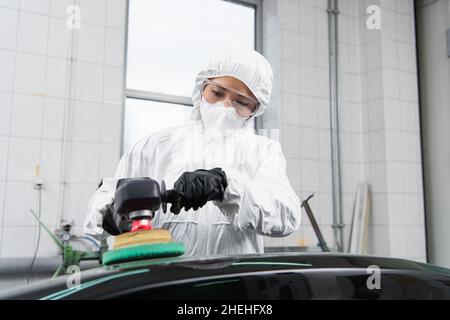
{"x": 259, "y": 200}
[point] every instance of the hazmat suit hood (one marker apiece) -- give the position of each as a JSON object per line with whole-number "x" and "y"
{"x": 248, "y": 66}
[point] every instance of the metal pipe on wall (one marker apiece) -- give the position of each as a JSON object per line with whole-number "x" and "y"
{"x": 62, "y": 215}
{"x": 337, "y": 226}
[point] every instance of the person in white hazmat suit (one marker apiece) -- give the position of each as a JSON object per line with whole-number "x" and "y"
{"x": 217, "y": 155}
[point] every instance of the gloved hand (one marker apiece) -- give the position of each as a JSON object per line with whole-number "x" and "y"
{"x": 197, "y": 187}
{"x": 113, "y": 224}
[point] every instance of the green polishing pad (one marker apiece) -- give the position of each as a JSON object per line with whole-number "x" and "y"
{"x": 144, "y": 251}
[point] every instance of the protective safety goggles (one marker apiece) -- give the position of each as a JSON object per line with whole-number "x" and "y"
{"x": 214, "y": 92}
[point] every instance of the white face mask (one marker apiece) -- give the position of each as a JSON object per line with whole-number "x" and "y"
{"x": 217, "y": 116}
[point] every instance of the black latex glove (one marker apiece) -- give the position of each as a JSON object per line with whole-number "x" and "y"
{"x": 198, "y": 187}
{"x": 113, "y": 224}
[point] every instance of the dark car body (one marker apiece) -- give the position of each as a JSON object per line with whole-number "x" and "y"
{"x": 266, "y": 276}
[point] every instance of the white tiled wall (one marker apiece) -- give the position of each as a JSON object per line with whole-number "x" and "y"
{"x": 378, "y": 112}
{"x": 296, "y": 44}
{"x": 48, "y": 72}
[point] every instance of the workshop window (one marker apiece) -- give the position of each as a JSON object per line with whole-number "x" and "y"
{"x": 168, "y": 43}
